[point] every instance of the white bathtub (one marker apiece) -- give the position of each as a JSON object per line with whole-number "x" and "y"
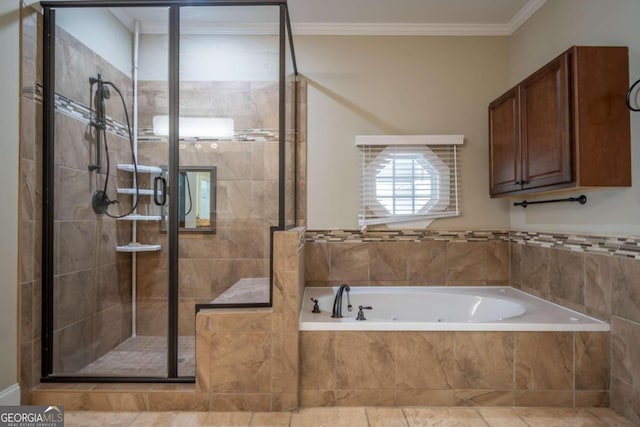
{"x": 442, "y": 308}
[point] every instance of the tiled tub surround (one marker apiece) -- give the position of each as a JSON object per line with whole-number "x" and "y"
{"x": 352, "y": 368}
{"x": 407, "y": 258}
{"x": 596, "y": 275}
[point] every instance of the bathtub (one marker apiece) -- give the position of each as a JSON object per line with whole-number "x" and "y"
{"x": 442, "y": 308}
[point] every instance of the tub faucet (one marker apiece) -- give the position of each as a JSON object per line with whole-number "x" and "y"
{"x": 337, "y": 303}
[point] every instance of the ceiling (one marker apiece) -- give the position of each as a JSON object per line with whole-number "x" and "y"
{"x": 349, "y": 17}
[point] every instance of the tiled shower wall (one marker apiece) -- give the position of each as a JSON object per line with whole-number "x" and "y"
{"x": 31, "y": 203}
{"x": 246, "y": 197}
{"x": 92, "y": 282}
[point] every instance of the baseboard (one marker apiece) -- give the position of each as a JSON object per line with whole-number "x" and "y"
{"x": 10, "y": 395}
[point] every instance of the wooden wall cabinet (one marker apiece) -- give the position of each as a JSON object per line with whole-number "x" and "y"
{"x": 564, "y": 127}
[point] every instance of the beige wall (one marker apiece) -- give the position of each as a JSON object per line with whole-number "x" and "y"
{"x": 9, "y": 97}
{"x": 92, "y": 26}
{"x": 558, "y": 25}
{"x": 217, "y": 58}
{"x": 398, "y": 85}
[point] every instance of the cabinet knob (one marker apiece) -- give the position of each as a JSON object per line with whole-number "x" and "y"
{"x": 518, "y": 183}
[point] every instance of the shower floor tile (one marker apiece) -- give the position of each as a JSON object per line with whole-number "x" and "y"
{"x": 143, "y": 356}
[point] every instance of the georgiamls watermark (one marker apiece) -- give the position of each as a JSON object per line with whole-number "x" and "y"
{"x": 31, "y": 416}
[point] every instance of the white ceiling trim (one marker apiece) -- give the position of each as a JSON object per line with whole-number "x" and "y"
{"x": 403, "y": 29}
{"x": 525, "y": 13}
{"x": 348, "y": 29}
{"x": 400, "y": 29}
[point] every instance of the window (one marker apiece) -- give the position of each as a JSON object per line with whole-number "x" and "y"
{"x": 407, "y": 178}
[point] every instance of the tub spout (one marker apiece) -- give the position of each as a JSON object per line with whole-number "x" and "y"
{"x": 337, "y": 302}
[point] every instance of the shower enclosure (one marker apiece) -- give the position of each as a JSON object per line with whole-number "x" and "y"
{"x": 169, "y": 160}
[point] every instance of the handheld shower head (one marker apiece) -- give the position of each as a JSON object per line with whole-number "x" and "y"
{"x": 101, "y": 201}
{"x": 102, "y": 93}
{"x": 106, "y": 94}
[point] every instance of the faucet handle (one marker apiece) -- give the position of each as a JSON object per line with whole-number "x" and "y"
{"x": 360, "y": 315}
{"x": 316, "y": 309}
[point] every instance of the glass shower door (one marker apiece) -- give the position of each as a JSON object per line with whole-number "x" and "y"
{"x": 109, "y": 282}
{"x": 228, "y": 159}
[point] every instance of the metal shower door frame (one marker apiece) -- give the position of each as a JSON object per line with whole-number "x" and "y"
{"x": 48, "y": 102}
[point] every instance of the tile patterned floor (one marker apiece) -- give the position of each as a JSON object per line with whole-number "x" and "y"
{"x": 365, "y": 417}
{"x": 143, "y": 356}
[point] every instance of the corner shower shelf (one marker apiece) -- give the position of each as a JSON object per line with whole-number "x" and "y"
{"x": 136, "y": 217}
{"x": 134, "y": 247}
{"x": 141, "y": 168}
{"x": 138, "y": 247}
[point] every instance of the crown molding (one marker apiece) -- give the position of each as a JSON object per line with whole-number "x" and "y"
{"x": 525, "y": 13}
{"x": 399, "y": 29}
{"x": 403, "y": 29}
{"x": 346, "y": 29}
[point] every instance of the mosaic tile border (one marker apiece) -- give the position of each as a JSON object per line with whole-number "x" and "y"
{"x": 356, "y": 236}
{"x": 627, "y": 247}
{"x": 241, "y": 135}
{"x": 78, "y": 111}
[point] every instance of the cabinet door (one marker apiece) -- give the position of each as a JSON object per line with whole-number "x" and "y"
{"x": 504, "y": 143}
{"x": 546, "y": 130}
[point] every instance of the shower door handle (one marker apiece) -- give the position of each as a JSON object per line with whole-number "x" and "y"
{"x": 163, "y": 188}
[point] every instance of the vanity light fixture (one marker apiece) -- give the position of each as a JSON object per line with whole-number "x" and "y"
{"x": 197, "y": 127}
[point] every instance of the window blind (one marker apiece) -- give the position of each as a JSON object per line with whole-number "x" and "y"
{"x": 404, "y": 179}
